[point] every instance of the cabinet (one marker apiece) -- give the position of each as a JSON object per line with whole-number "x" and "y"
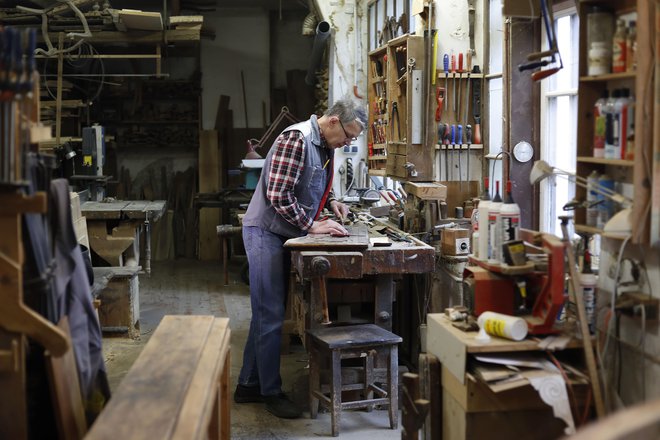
{"x": 397, "y": 144}
{"x": 624, "y": 169}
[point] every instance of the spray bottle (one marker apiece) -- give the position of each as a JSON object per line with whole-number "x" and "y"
{"x": 493, "y": 215}
{"x": 484, "y": 205}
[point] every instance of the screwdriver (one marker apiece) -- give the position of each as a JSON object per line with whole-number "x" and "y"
{"x": 453, "y": 145}
{"x": 459, "y": 138}
{"x": 468, "y": 141}
{"x": 453, "y": 71}
{"x": 460, "y": 82}
{"x": 445, "y": 64}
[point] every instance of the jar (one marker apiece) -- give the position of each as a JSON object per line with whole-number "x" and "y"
{"x": 600, "y": 25}
{"x": 600, "y": 58}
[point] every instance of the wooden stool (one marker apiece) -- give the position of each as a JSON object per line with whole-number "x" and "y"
{"x": 355, "y": 341}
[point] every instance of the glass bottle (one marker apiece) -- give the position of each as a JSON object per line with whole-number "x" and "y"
{"x": 619, "y": 47}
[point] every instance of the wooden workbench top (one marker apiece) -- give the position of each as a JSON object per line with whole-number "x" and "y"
{"x": 131, "y": 209}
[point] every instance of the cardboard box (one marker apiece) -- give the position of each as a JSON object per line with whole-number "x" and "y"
{"x": 456, "y": 241}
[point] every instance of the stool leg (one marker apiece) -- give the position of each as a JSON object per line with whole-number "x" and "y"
{"x": 393, "y": 375}
{"x": 335, "y": 411}
{"x": 369, "y": 377}
{"x": 314, "y": 381}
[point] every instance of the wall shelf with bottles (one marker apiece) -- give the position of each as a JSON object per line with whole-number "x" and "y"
{"x": 599, "y": 119}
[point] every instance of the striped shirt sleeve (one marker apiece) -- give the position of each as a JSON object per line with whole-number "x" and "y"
{"x": 286, "y": 168}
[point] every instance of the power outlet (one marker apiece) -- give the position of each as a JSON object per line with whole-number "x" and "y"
{"x": 631, "y": 304}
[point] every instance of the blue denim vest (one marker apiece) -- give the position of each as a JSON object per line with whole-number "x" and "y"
{"x": 308, "y": 191}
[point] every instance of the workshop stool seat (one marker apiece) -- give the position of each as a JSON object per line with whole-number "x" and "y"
{"x": 355, "y": 341}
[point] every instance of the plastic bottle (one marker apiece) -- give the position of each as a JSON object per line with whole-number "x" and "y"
{"x": 622, "y": 122}
{"x": 474, "y": 223}
{"x": 493, "y": 215}
{"x": 631, "y": 47}
{"x": 588, "y": 282}
{"x": 592, "y": 199}
{"x": 484, "y": 205}
{"x": 599, "y": 124}
{"x": 627, "y": 129}
{"x": 619, "y": 47}
{"x": 612, "y": 145}
{"x": 509, "y": 225}
{"x": 505, "y": 326}
{"x": 600, "y": 58}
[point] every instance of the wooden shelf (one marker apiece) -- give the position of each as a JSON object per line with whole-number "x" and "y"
{"x": 381, "y": 173}
{"x": 603, "y": 161}
{"x": 608, "y": 77}
{"x": 378, "y": 146}
{"x": 151, "y": 122}
{"x": 457, "y": 75}
{"x": 377, "y": 157}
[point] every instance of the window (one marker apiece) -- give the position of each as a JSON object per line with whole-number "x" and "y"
{"x": 559, "y": 122}
{"x": 494, "y": 85}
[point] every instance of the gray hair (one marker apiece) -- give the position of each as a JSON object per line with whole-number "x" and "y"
{"x": 347, "y": 110}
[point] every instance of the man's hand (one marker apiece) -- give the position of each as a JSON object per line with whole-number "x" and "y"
{"x": 340, "y": 210}
{"x": 328, "y": 227}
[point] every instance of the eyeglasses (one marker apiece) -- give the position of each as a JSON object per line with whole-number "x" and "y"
{"x": 352, "y": 138}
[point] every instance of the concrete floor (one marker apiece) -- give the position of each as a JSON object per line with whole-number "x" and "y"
{"x": 192, "y": 287}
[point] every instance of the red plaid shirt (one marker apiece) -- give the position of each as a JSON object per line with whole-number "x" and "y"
{"x": 286, "y": 167}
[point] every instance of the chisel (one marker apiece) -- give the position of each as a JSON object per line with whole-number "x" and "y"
{"x": 453, "y": 146}
{"x": 459, "y": 138}
{"x": 468, "y": 141}
{"x": 445, "y": 65}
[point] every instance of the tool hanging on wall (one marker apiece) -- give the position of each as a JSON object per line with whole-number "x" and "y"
{"x": 476, "y": 107}
{"x": 546, "y": 57}
{"x": 460, "y": 82}
{"x": 453, "y": 72}
{"x": 440, "y": 99}
{"x": 445, "y": 65}
{"x": 468, "y": 68}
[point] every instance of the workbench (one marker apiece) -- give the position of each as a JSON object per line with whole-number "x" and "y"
{"x": 321, "y": 257}
{"x": 114, "y": 229}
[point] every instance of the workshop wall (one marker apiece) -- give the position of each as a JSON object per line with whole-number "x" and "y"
{"x": 632, "y": 374}
{"x": 241, "y": 44}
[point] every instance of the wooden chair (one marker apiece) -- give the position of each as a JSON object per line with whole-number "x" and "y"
{"x": 356, "y": 341}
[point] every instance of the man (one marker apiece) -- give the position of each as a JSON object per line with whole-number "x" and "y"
{"x": 294, "y": 187}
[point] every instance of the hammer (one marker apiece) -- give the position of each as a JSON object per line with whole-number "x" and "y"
{"x": 320, "y": 268}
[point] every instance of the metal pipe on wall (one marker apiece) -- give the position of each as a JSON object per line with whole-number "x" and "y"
{"x": 322, "y": 35}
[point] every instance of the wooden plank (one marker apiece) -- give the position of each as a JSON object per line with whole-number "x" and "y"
{"x": 209, "y": 242}
{"x": 196, "y": 410}
{"x": 358, "y": 239}
{"x": 140, "y": 20}
{"x": 156, "y": 383}
{"x": 427, "y": 190}
{"x": 208, "y": 161}
{"x": 169, "y": 391}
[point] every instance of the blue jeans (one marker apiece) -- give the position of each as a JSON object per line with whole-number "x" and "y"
{"x": 270, "y": 265}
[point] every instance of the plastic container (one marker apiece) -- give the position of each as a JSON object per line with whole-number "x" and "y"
{"x": 588, "y": 283}
{"x": 504, "y": 326}
{"x": 631, "y": 47}
{"x": 484, "y": 205}
{"x": 623, "y": 121}
{"x": 600, "y": 122}
{"x": 600, "y": 58}
{"x": 619, "y": 47}
{"x": 493, "y": 215}
{"x": 509, "y": 226}
{"x": 600, "y": 26}
{"x": 612, "y": 143}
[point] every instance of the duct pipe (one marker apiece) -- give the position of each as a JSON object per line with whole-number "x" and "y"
{"x": 322, "y": 34}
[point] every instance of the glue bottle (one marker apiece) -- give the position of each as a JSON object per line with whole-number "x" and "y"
{"x": 588, "y": 281}
{"x": 509, "y": 225}
{"x": 493, "y": 215}
{"x": 483, "y": 237}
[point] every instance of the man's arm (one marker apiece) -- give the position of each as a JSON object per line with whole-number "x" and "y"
{"x": 285, "y": 170}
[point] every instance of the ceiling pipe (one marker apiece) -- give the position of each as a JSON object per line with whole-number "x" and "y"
{"x": 322, "y": 35}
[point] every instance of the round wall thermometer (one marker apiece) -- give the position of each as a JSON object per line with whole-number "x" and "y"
{"x": 523, "y": 151}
